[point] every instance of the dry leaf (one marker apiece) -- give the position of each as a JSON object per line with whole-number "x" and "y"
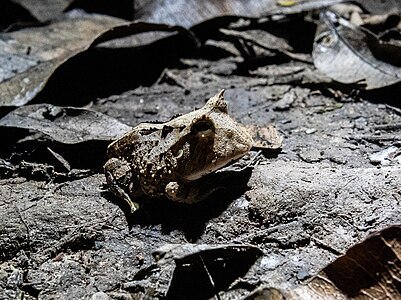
{"x": 346, "y": 53}
{"x": 118, "y": 8}
{"x": 387, "y": 156}
{"x": 199, "y": 271}
{"x": 380, "y": 7}
{"x": 67, "y": 125}
{"x": 44, "y": 10}
{"x": 165, "y": 11}
{"x": 12, "y": 14}
{"x": 265, "y": 137}
{"x": 264, "y": 43}
{"x": 28, "y": 57}
{"x": 296, "y": 7}
{"x": 369, "y": 270}
{"x": 171, "y": 12}
{"x": 264, "y": 293}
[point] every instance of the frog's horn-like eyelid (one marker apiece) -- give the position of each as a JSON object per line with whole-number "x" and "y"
{"x": 217, "y": 102}
{"x": 220, "y": 102}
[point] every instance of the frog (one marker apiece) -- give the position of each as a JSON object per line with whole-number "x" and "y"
{"x": 172, "y": 159}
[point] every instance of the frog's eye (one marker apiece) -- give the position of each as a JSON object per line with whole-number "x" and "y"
{"x": 166, "y": 130}
{"x": 202, "y": 125}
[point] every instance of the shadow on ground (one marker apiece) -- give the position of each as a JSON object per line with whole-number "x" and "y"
{"x": 189, "y": 218}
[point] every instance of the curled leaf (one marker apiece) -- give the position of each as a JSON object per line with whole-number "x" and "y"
{"x": 67, "y": 125}
{"x": 346, "y": 53}
{"x": 202, "y": 270}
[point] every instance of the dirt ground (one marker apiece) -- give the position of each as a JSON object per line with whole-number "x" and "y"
{"x": 302, "y": 207}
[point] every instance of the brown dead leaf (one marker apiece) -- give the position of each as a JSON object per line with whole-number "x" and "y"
{"x": 264, "y": 293}
{"x": 369, "y": 270}
{"x": 265, "y": 137}
{"x": 28, "y": 57}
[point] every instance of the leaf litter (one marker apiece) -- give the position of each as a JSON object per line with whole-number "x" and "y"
{"x": 304, "y": 214}
{"x": 30, "y": 56}
{"x": 347, "y": 54}
{"x": 68, "y": 125}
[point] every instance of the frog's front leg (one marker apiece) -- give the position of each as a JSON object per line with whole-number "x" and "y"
{"x": 191, "y": 192}
{"x": 119, "y": 178}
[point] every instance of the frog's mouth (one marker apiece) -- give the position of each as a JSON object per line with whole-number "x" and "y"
{"x": 216, "y": 165}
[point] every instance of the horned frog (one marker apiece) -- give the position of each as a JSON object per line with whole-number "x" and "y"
{"x": 171, "y": 159}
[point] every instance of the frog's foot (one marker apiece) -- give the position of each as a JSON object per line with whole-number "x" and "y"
{"x": 118, "y": 175}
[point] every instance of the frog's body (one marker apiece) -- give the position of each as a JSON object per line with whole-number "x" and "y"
{"x": 168, "y": 159}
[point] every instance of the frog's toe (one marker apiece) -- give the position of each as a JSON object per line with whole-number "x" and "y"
{"x": 172, "y": 189}
{"x": 124, "y": 195}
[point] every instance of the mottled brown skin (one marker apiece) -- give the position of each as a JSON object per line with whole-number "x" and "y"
{"x": 169, "y": 159}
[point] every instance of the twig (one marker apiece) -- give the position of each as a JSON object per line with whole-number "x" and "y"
{"x": 394, "y": 109}
{"x": 210, "y": 277}
{"x": 394, "y": 126}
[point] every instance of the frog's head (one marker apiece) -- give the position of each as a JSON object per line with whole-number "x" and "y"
{"x": 212, "y": 140}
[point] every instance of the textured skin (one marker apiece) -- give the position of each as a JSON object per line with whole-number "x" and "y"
{"x": 168, "y": 159}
